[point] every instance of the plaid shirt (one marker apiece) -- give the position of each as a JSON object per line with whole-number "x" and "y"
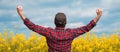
{"x": 59, "y": 39}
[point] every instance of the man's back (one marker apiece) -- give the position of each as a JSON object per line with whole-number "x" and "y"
{"x": 59, "y": 39}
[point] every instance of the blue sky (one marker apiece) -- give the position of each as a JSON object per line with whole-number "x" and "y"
{"x": 78, "y": 12}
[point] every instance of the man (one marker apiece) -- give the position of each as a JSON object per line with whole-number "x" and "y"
{"x": 59, "y": 39}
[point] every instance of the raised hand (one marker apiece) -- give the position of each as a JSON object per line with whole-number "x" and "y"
{"x": 99, "y": 12}
{"x": 19, "y": 10}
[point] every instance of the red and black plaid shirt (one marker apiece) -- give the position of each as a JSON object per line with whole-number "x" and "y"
{"x": 59, "y": 39}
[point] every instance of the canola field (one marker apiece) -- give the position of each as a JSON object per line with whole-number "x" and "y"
{"x": 90, "y": 42}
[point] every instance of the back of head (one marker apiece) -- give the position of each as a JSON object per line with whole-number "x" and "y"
{"x": 60, "y": 20}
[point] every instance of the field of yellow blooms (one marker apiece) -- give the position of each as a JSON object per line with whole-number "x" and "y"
{"x": 13, "y": 42}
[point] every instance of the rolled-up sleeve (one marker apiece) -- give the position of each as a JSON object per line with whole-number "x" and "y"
{"x": 36, "y": 28}
{"x": 83, "y": 29}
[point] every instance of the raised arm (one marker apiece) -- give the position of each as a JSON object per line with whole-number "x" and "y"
{"x": 87, "y": 28}
{"x": 36, "y": 28}
{"x": 20, "y": 12}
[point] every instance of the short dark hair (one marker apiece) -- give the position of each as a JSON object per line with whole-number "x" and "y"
{"x": 60, "y": 20}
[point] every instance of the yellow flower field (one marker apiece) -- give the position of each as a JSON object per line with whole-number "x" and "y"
{"x": 11, "y": 42}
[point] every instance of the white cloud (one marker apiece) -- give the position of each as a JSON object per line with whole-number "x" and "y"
{"x": 76, "y": 3}
{"x": 48, "y": 0}
{"x": 108, "y": 4}
{"x": 69, "y": 11}
{"x": 100, "y": 29}
{"x": 112, "y": 28}
{"x": 8, "y": 3}
{"x": 116, "y": 24}
{"x": 78, "y": 12}
{"x": 75, "y": 25}
{"x": 19, "y": 24}
{"x": 2, "y": 12}
{"x": 3, "y": 25}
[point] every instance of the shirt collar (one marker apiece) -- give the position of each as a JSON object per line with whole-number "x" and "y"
{"x": 60, "y": 28}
